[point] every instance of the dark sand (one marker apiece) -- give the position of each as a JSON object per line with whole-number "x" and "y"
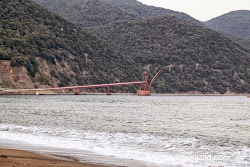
{"x": 19, "y": 158}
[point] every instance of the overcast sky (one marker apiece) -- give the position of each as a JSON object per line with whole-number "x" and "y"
{"x": 202, "y": 10}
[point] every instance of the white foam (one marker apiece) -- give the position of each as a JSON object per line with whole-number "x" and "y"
{"x": 142, "y": 147}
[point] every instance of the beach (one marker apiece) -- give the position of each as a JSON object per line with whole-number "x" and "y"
{"x": 126, "y": 130}
{"x": 19, "y": 158}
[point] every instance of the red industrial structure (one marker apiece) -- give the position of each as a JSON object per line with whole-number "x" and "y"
{"x": 144, "y": 86}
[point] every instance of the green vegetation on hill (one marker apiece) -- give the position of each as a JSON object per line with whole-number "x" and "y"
{"x": 86, "y": 13}
{"x": 91, "y": 13}
{"x": 194, "y": 58}
{"x": 234, "y": 23}
{"x": 244, "y": 42}
{"x": 29, "y": 32}
{"x": 145, "y": 11}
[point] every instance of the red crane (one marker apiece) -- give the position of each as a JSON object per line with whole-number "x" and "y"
{"x": 144, "y": 88}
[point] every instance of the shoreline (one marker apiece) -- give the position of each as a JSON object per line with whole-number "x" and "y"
{"x": 15, "y": 92}
{"x": 9, "y": 91}
{"x": 21, "y": 158}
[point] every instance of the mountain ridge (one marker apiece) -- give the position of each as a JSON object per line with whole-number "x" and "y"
{"x": 86, "y": 13}
{"x": 235, "y": 23}
{"x": 145, "y": 11}
{"x": 91, "y": 13}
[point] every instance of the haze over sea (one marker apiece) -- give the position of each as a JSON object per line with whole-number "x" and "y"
{"x": 130, "y": 130}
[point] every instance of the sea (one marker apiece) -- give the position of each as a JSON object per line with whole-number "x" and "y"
{"x": 130, "y": 130}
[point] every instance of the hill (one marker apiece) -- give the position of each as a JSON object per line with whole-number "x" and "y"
{"x": 145, "y": 11}
{"x": 40, "y": 49}
{"x": 244, "y": 42}
{"x": 50, "y": 51}
{"x": 235, "y": 23}
{"x": 86, "y": 13}
{"x": 194, "y": 58}
{"x": 91, "y": 13}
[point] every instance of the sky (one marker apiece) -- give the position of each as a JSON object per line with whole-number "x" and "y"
{"x": 202, "y": 10}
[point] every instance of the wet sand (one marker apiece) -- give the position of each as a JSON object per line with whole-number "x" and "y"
{"x": 19, "y": 158}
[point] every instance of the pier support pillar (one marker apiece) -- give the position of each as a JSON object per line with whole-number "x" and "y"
{"x": 76, "y": 93}
{"x": 108, "y": 92}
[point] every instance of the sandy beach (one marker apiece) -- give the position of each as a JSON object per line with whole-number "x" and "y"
{"x": 19, "y": 158}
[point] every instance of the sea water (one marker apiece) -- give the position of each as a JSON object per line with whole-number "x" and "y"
{"x": 132, "y": 131}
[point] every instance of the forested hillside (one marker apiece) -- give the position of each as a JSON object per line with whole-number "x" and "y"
{"x": 145, "y": 11}
{"x": 90, "y": 13}
{"x": 194, "y": 58}
{"x": 33, "y": 37}
{"x": 234, "y": 23}
{"x": 244, "y": 42}
{"x": 57, "y": 53}
{"x": 86, "y": 13}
